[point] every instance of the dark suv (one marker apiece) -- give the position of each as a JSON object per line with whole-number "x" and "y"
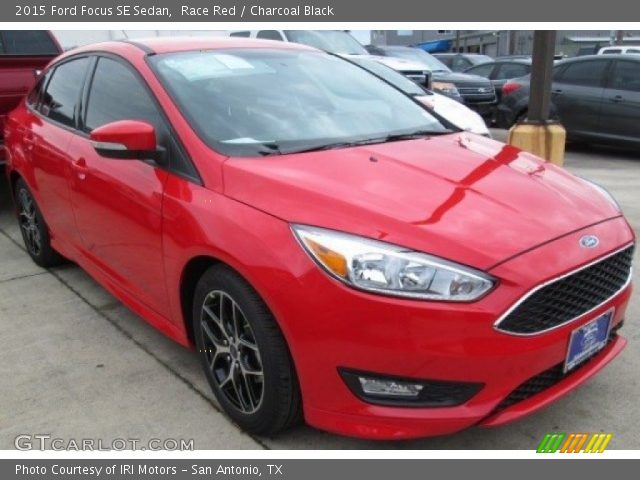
{"x": 474, "y": 91}
{"x": 23, "y": 53}
{"x": 596, "y": 98}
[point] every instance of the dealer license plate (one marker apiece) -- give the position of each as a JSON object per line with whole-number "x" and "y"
{"x": 586, "y": 340}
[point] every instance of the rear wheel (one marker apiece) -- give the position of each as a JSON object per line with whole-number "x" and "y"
{"x": 243, "y": 353}
{"x": 35, "y": 232}
{"x": 522, "y": 117}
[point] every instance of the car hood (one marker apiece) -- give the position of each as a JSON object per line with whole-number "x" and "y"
{"x": 460, "y": 196}
{"x": 459, "y": 78}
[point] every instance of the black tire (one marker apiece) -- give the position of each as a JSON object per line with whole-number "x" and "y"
{"x": 223, "y": 291}
{"x": 522, "y": 116}
{"x": 35, "y": 232}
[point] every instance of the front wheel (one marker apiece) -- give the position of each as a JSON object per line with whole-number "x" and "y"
{"x": 243, "y": 353}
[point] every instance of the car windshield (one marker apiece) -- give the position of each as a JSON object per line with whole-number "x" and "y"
{"x": 251, "y": 102}
{"x": 333, "y": 41}
{"x": 420, "y": 56}
{"x": 390, "y": 75}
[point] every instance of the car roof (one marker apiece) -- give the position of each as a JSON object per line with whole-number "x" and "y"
{"x": 183, "y": 44}
{"x": 609, "y": 56}
{"x": 525, "y": 61}
{"x": 461, "y": 54}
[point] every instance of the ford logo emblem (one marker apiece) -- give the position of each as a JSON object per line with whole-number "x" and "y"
{"x": 589, "y": 241}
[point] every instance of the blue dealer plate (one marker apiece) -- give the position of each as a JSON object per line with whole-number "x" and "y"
{"x": 586, "y": 340}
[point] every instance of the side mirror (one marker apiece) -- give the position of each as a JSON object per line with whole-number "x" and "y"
{"x": 127, "y": 140}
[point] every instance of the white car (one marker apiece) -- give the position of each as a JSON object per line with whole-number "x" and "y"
{"x": 455, "y": 112}
{"x": 619, "y": 49}
{"x": 340, "y": 43}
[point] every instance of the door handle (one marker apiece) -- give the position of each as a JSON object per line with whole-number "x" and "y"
{"x": 617, "y": 99}
{"x": 80, "y": 165}
{"x": 29, "y": 141}
{"x": 557, "y": 91}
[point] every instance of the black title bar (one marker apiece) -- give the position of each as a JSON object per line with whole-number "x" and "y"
{"x": 318, "y": 11}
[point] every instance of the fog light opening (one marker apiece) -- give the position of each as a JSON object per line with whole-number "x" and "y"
{"x": 381, "y": 389}
{"x": 389, "y": 388}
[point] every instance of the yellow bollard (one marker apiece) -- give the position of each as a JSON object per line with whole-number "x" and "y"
{"x": 545, "y": 141}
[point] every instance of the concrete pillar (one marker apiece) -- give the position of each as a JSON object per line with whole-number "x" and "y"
{"x": 537, "y": 134}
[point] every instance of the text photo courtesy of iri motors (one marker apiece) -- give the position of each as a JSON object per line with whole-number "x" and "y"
{"x": 319, "y": 239}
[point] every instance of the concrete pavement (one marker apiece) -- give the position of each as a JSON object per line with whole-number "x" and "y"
{"x": 75, "y": 363}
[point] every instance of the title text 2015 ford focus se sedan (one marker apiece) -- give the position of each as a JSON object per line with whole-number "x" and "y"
{"x": 331, "y": 249}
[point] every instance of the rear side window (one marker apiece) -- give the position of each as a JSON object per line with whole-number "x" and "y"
{"x": 63, "y": 91}
{"x": 447, "y": 60}
{"x": 269, "y": 35}
{"x": 244, "y": 34}
{"x": 35, "y": 95}
{"x": 482, "y": 70}
{"x": 626, "y": 76}
{"x": 28, "y": 42}
{"x": 460, "y": 63}
{"x": 512, "y": 70}
{"x": 612, "y": 50}
{"x": 588, "y": 74}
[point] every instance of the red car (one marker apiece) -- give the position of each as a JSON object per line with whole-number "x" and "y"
{"x": 331, "y": 249}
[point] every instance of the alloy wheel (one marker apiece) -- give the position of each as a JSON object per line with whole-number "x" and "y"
{"x": 232, "y": 353}
{"x": 29, "y": 223}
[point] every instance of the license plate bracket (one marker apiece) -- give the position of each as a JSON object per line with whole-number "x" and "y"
{"x": 588, "y": 339}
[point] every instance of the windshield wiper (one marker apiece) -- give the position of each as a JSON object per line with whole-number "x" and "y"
{"x": 274, "y": 149}
{"x": 415, "y": 134}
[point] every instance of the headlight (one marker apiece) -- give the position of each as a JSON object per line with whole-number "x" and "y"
{"x": 605, "y": 193}
{"x": 446, "y": 88}
{"x": 388, "y": 269}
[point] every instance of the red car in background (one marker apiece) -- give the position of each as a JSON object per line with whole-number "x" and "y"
{"x": 331, "y": 249}
{"x": 23, "y": 54}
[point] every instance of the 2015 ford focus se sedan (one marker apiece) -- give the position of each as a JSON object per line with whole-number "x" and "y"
{"x": 331, "y": 249}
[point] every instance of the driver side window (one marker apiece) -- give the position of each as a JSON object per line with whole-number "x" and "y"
{"x": 117, "y": 93}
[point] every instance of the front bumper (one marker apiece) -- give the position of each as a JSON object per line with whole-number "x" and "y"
{"x": 342, "y": 328}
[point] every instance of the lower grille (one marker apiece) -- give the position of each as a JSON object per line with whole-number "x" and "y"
{"x": 546, "y": 379}
{"x": 571, "y": 296}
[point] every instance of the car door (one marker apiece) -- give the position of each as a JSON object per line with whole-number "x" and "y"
{"x": 118, "y": 203}
{"x": 620, "y": 114}
{"x": 48, "y": 132}
{"x": 577, "y": 93}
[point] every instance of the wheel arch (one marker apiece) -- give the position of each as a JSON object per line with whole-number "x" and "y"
{"x": 191, "y": 274}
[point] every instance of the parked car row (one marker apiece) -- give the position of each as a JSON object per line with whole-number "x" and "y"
{"x": 596, "y": 98}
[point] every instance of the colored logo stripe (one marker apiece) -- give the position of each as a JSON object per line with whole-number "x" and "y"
{"x": 598, "y": 443}
{"x": 550, "y": 442}
{"x": 574, "y": 443}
